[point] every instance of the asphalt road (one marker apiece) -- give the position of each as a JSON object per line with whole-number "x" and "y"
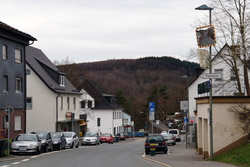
{"x": 122, "y": 154}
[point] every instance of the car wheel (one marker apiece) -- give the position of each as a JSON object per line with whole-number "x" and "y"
{"x": 146, "y": 152}
{"x": 46, "y": 149}
{"x": 72, "y": 146}
{"x": 77, "y": 145}
{"x": 101, "y": 142}
{"x": 165, "y": 151}
{"x": 37, "y": 151}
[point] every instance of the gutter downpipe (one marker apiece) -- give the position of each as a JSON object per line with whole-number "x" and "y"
{"x": 57, "y": 111}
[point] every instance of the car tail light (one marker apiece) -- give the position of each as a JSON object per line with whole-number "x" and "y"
{"x": 146, "y": 144}
{"x": 163, "y": 143}
{"x": 172, "y": 138}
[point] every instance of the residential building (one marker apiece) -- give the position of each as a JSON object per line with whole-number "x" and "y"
{"x": 51, "y": 98}
{"x": 102, "y": 112}
{"x": 13, "y": 79}
{"x": 126, "y": 123}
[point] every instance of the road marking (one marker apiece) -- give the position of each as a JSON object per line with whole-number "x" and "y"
{"x": 34, "y": 157}
{"x": 25, "y": 160}
{"x": 154, "y": 161}
{"x": 15, "y": 163}
{"x": 5, "y": 166}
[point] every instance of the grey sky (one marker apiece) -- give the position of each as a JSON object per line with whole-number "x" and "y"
{"x": 95, "y": 30}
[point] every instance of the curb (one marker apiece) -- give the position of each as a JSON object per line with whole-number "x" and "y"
{"x": 10, "y": 158}
{"x": 154, "y": 161}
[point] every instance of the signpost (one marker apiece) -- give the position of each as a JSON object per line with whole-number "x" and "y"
{"x": 8, "y": 110}
{"x": 152, "y": 114}
{"x": 211, "y": 76}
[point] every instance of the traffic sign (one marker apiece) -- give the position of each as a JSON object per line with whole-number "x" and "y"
{"x": 184, "y": 105}
{"x": 151, "y": 108}
{"x": 211, "y": 76}
{"x": 8, "y": 109}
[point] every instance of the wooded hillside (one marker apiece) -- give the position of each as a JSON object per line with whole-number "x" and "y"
{"x": 137, "y": 82}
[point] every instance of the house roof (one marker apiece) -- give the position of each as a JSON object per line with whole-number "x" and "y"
{"x": 47, "y": 71}
{"x": 16, "y": 31}
{"x": 226, "y": 45}
{"x": 95, "y": 91}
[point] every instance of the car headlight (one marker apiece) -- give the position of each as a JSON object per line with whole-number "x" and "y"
{"x": 93, "y": 139}
{"x": 83, "y": 139}
{"x": 43, "y": 141}
{"x": 55, "y": 142}
{"x": 32, "y": 145}
{"x": 13, "y": 145}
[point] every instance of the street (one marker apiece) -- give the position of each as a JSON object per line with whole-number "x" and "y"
{"x": 122, "y": 154}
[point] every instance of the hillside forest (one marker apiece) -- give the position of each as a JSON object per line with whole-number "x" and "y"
{"x": 136, "y": 82}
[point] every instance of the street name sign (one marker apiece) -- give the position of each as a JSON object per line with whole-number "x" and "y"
{"x": 151, "y": 111}
{"x": 211, "y": 76}
{"x": 184, "y": 105}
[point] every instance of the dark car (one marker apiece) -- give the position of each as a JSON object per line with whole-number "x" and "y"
{"x": 59, "y": 140}
{"x": 116, "y": 138}
{"x": 121, "y": 136}
{"x": 46, "y": 140}
{"x": 160, "y": 143}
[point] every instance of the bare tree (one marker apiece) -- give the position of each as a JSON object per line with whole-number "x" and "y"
{"x": 232, "y": 20}
{"x": 242, "y": 113}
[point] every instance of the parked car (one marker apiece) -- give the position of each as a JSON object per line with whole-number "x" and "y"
{"x": 72, "y": 139}
{"x": 116, "y": 138}
{"x": 164, "y": 133}
{"x": 160, "y": 143}
{"x": 121, "y": 136}
{"x": 91, "y": 138}
{"x": 176, "y": 133}
{"x": 58, "y": 140}
{"x": 26, "y": 143}
{"x": 46, "y": 140}
{"x": 170, "y": 139}
{"x": 106, "y": 138}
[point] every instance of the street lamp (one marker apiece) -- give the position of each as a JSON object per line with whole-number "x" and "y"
{"x": 205, "y": 7}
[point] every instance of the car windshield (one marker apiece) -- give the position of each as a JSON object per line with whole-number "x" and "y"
{"x": 55, "y": 135}
{"x": 155, "y": 137}
{"x": 68, "y": 134}
{"x": 90, "y": 135}
{"x": 26, "y": 138}
{"x": 105, "y": 135}
{"x": 41, "y": 135}
{"x": 173, "y": 132}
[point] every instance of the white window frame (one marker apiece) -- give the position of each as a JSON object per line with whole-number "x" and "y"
{"x": 62, "y": 80}
{"x": 18, "y": 56}
{"x": 18, "y": 85}
{"x": 29, "y": 107}
{"x": 4, "y": 52}
{"x": 18, "y": 122}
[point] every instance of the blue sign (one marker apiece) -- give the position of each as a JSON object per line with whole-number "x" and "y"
{"x": 151, "y": 108}
{"x": 185, "y": 120}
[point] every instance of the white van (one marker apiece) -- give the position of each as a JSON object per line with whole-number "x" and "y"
{"x": 176, "y": 133}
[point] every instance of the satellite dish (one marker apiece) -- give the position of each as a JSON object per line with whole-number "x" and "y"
{"x": 203, "y": 58}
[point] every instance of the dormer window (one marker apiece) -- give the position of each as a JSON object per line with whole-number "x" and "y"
{"x": 62, "y": 80}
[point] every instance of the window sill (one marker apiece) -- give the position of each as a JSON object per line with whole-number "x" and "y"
{"x": 18, "y": 130}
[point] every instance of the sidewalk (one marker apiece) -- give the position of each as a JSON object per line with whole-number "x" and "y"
{"x": 180, "y": 156}
{"x": 10, "y": 157}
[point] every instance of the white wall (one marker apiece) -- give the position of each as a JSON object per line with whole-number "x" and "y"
{"x": 42, "y": 116}
{"x": 107, "y": 121}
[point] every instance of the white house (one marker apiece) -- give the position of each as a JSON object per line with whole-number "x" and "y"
{"x": 226, "y": 86}
{"x": 51, "y": 98}
{"x": 101, "y": 107}
{"x": 126, "y": 122}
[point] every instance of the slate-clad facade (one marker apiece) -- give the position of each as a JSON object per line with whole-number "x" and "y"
{"x": 13, "y": 79}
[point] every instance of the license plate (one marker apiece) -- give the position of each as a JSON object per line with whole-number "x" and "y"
{"x": 22, "y": 149}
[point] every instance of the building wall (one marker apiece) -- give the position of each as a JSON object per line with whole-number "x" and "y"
{"x": 221, "y": 87}
{"x": 107, "y": 122}
{"x": 227, "y": 129}
{"x": 42, "y": 116}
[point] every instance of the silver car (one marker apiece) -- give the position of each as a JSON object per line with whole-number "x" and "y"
{"x": 26, "y": 143}
{"x": 91, "y": 138}
{"x": 170, "y": 139}
{"x": 72, "y": 139}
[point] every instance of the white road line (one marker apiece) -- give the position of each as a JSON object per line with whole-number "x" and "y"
{"x": 5, "y": 166}
{"x": 34, "y": 157}
{"x": 15, "y": 163}
{"x": 25, "y": 160}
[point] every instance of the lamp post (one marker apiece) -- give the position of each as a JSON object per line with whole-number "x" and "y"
{"x": 205, "y": 7}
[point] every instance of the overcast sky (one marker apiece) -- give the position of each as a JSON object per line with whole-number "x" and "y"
{"x": 95, "y": 30}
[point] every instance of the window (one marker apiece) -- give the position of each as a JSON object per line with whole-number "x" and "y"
{"x": 5, "y": 83}
{"x": 29, "y": 103}
{"x": 27, "y": 72}
{"x": 18, "y": 84}
{"x": 89, "y": 104}
{"x": 68, "y": 103}
{"x": 74, "y": 103}
{"x": 232, "y": 74}
{"x": 18, "y": 56}
{"x": 4, "y": 52}
{"x": 219, "y": 71}
{"x": 62, "y": 80}
{"x": 61, "y": 103}
{"x": 82, "y": 104}
{"x": 18, "y": 123}
{"x": 5, "y": 122}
